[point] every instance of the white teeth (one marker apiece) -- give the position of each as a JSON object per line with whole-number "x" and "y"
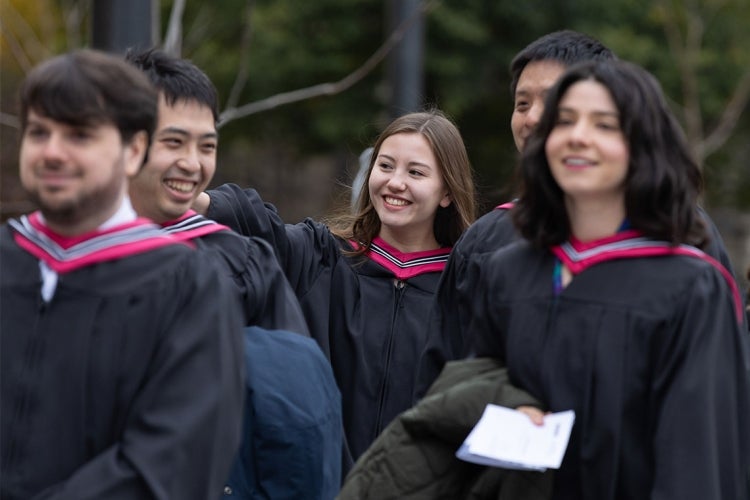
{"x": 181, "y": 186}
{"x": 577, "y": 161}
{"x": 395, "y": 201}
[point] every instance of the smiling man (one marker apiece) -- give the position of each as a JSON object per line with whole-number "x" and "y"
{"x": 180, "y": 164}
{"x": 120, "y": 373}
{"x": 290, "y": 384}
{"x": 181, "y": 160}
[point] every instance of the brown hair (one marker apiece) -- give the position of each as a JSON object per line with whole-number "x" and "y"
{"x": 448, "y": 146}
{"x": 89, "y": 87}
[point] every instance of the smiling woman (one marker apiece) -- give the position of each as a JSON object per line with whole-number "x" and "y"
{"x": 610, "y": 307}
{"x": 406, "y": 187}
{"x": 366, "y": 280}
{"x": 588, "y": 158}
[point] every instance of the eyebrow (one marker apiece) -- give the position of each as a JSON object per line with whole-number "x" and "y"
{"x": 613, "y": 114}
{"x": 390, "y": 158}
{"x": 183, "y": 132}
{"x": 528, "y": 90}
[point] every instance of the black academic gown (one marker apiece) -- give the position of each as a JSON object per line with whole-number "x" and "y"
{"x": 128, "y": 383}
{"x": 367, "y": 313}
{"x": 269, "y": 302}
{"x": 647, "y": 350}
{"x": 455, "y": 295}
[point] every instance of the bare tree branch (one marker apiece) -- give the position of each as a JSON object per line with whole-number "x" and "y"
{"x": 72, "y": 21}
{"x": 243, "y": 70}
{"x": 26, "y": 46}
{"x": 729, "y": 118}
{"x": 9, "y": 120}
{"x": 693, "y": 43}
{"x": 196, "y": 33}
{"x": 686, "y": 49}
{"x": 173, "y": 38}
{"x": 328, "y": 88}
{"x": 16, "y": 49}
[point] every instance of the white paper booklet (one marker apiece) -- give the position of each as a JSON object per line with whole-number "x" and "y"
{"x": 507, "y": 438}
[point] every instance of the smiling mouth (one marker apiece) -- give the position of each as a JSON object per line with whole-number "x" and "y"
{"x": 184, "y": 187}
{"x": 577, "y": 162}
{"x": 395, "y": 201}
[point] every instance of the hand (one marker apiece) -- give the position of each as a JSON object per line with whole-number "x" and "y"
{"x": 535, "y": 414}
{"x": 201, "y": 203}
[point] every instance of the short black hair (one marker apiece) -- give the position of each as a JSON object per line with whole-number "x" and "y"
{"x": 177, "y": 79}
{"x": 566, "y": 47}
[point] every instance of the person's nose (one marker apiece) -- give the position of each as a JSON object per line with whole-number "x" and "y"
{"x": 579, "y": 133}
{"x": 397, "y": 180}
{"x": 54, "y": 148}
{"x": 534, "y": 114}
{"x": 190, "y": 160}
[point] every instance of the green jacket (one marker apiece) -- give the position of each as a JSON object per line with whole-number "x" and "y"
{"x": 414, "y": 457}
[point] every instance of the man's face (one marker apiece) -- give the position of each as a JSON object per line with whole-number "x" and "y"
{"x": 77, "y": 175}
{"x": 528, "y": 103}
{"x": 181, "y": 161}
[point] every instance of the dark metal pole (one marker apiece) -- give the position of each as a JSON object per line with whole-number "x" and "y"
{"x": 405, "y": 68}
{"x": 117, "y": 25}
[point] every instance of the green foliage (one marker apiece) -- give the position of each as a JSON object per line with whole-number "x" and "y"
{"x": 295, "y": 44}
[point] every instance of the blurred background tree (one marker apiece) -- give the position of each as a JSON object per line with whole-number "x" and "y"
{"x": 302, "y": 156}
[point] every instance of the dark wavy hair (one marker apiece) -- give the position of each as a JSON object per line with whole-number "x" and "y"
{"x": 448, "y": 146}
{"x": 87, "y": 88}
{"x": 663, "y": 181}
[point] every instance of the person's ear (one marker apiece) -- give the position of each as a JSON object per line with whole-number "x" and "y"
{"x": 135, "y": 153}
{"x": 446, "y": 200}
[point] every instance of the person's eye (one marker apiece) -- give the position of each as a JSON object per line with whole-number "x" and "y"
{"x": 36, "y": 132}
{"x": 172, "y": 142}
{"x": 416, "y": 173}
{"x": 385, "y": 166}
{"x": 610, "y": 126}
{"x": 208, "y": 147}
{"x": 81, "y": 134}
{"x": 521, "y": 105}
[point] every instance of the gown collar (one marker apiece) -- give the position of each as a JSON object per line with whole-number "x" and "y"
{"x": 192, "y": 225}
{"x": 65, "y": 254}
{"x": 405, "y": 265}
{"x": 630, "y": 243}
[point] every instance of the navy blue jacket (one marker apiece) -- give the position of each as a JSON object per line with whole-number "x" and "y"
{"x": 292, "y": 436}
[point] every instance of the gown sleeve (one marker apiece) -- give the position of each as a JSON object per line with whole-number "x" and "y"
{"x": 303, "y": 250}
{"x": 273, "y": 303}
{"x": 702, "y": 365}
{"x": 183, "y": 428}
{"x": 444, "y": 338}
{"x": 449, "y": 336}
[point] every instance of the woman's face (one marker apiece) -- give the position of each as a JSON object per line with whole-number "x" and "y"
{"x": 406, "y": 187}
{"x": 586, "y": 150}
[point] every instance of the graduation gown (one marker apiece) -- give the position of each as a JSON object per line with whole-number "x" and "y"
{"x": 367, "y": 313}
{"x": 645, "y": 345}
{"x": 128, "y": 382}
{"x": 268, "y": 300}
{"x": 454, "y": 296}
